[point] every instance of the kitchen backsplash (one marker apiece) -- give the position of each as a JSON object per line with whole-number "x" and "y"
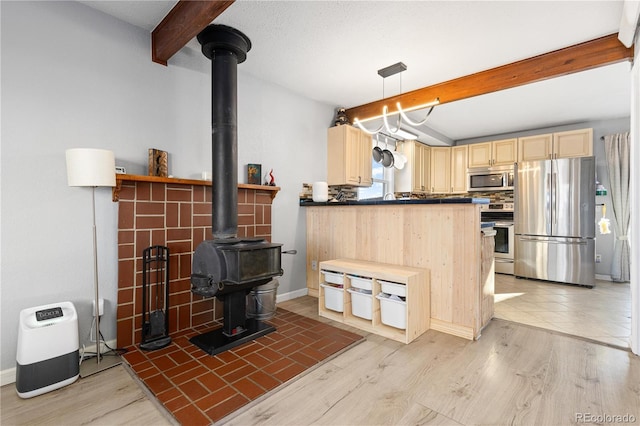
{"x": 345, "y": 193}
{"x": 494, "y": 197}
{"x": 341, "y": 193}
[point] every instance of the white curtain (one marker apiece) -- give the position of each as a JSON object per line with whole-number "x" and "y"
{"x": 617, "y": 152}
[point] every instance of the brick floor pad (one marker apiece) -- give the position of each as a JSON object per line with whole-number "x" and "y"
{"x": 199, "y": 389}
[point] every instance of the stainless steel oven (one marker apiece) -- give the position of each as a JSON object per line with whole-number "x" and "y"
{"x": 502, "y": 216}
{"x": 505, "y": 241}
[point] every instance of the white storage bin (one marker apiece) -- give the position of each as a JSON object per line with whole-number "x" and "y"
{"x": 361, "y": 282}
{"x": 333, "y": 277}
{"x": 361, "y": 303}
{"x": 390, "y": 287}
{"x": 333, "y": 297}
{"x": 392, "y": 312}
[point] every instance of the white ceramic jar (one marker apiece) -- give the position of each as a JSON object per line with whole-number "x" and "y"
{"x": 320, "y": 191}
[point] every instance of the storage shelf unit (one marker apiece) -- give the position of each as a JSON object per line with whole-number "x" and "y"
{"x": 418, "y": 303}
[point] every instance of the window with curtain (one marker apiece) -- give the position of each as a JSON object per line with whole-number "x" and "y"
{"x": 617, "y": 151}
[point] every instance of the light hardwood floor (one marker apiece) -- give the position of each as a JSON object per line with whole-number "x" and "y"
{"x": 112, "y": 397}
{"x": 514, "y": 374}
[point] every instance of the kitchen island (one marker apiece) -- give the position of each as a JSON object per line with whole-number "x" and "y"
{"x": 441, "y": 235}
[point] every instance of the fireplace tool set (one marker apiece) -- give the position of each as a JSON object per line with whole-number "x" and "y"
{"x": 155, "y": 298}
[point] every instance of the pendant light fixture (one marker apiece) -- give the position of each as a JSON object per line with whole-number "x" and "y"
{"x": 402, "y": 114}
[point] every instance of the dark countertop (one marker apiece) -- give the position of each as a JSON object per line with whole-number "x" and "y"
{"x": 305, "y": 203}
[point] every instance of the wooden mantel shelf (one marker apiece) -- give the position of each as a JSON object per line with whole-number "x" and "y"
{"x": 157, "y": 179}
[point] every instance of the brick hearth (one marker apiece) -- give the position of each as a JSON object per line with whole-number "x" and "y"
{"x": 177, "y": 215}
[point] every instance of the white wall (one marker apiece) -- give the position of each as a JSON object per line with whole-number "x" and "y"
{"x": 74, "y": 77}
{"x": 286, "y": 133}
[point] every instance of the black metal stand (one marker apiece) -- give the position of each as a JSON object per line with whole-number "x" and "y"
{"x": 216, "y": 341}
{"x": 237, "y": 328}
{"x": 155, "y": 287}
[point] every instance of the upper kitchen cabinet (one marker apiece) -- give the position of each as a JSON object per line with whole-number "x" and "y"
{"x": 348, "y": 156}
{"x": 538, "y": 147}
{"x": 496, "y": 153}
{"x": 573, "y": 143}
{"x": 414, "y": 177}
{"x": 449, "y": 170}
{"x": 440, "y": 170}
{"x": 459, "y": 156}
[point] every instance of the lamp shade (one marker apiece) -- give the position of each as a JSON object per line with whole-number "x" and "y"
{"x": 90, "y": 167}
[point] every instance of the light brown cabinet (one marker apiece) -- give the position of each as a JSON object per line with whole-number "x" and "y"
{"x": 348, "y": 156}
{"x": 414, "y": 313}
{"x": 459, "y": 156}
{"x": 443, "y": 238}
{"x": 415, "y": 176}
{"x": 573, "y": 143}
{"x": 433, "y": 170}
{"x": 496, "y": 153}
{"x": 440, "y": 173}
{"x": 538, "y": 147}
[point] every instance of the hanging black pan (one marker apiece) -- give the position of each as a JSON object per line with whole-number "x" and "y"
{"x": 377, "y": 152}
{"x": 387, "y": 156}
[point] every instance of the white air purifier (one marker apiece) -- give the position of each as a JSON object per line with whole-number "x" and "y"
{"x": 48, "y": 352}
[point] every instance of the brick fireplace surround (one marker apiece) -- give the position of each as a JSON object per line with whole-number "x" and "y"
{"x": 175, "y": 213}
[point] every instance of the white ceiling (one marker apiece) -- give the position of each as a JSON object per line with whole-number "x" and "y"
{"x": 330, "y": 51}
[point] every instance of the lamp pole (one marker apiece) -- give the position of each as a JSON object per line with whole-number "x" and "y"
{"x": 96, "y": 303}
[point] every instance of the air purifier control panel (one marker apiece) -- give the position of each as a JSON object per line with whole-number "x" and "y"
{"x": 47, "y": 314}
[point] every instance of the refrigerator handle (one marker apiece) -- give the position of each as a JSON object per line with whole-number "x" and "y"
{"x": 580, "y": 242}
{"x": 551, "y": 200}
{"x": 555, "y": 200}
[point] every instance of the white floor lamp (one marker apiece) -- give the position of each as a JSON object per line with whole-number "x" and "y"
{"x": 93, "y": 167}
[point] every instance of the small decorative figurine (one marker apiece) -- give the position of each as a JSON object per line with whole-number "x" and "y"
{"x": 158, "y": 163}
{"x": 269, "y": 179}
{"x": 341, "y": 117}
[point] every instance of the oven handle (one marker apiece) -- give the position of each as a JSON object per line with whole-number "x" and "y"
{"x": 504, "y": 224}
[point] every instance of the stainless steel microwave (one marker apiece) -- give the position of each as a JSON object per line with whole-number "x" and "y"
{"x": 490, "y": 179}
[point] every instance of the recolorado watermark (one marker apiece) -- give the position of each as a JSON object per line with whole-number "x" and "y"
{"x": 604, "y": 418}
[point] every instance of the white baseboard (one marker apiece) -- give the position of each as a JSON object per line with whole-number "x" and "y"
{"x": 603, "y": 277}
{"x": 291, "y": 295}
{"x": 8, "y": 376}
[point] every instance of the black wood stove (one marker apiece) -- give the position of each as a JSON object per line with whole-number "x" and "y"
{"x": 228, "y": 267}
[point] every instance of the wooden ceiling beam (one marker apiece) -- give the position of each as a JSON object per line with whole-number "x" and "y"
{"x": 182, "y": 23}
{"x": 580, "y": 57}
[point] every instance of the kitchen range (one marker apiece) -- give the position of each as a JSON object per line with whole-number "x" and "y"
{"x": 501, "y": 215}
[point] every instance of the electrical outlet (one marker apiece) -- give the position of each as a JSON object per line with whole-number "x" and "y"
{"x": 598, "y": 258}
{"x": 314, "y": 265}
{"x": 100, "y": 307}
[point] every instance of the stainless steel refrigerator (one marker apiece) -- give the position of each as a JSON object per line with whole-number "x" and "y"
{"x": 554, "y": 218}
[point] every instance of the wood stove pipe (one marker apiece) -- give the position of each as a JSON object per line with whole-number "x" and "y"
{"x": 226, "y": 47}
